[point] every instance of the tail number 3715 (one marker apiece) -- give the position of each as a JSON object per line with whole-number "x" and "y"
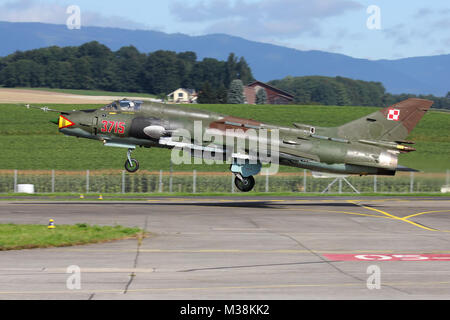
{"x": 113, "y": 126}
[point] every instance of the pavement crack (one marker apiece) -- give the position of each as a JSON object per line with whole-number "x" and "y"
{"x": 252, "y": 266}
{"x": 333, "y": 264}
{"x": 136, "y": 257}
{"x": 320, "y": 257}
{"x": 323, "y": 260}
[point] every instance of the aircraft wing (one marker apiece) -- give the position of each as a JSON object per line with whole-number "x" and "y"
{"x": 206, "y": 151}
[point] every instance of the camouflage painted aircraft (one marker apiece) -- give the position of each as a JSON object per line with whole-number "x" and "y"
{"x": 366, "y": 146}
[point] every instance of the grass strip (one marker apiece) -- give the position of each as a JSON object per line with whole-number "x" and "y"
{"x": 26, "y": 236}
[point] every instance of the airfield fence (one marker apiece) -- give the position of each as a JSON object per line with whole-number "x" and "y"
{"x": 117, "y": 181}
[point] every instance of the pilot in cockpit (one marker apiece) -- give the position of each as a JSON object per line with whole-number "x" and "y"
{"x": 124, "y": 105}
{"x": 127, "y": 105}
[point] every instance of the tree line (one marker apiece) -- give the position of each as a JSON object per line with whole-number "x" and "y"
{"x": 342, "y": 91}
{"x": 93, "y": 66}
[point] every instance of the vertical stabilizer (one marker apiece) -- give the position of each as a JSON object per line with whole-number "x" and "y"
{"x": 393, "y": 123}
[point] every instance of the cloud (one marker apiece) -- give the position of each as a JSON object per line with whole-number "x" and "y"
{"x": 55, "y": 13}
{"x": 399, "y": 33}
{"x": 264, "y": 18}
{"x": 426, "y": 26}
{"x": 423, "y": 13}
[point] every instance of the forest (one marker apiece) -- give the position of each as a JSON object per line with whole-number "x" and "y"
{"x": 93, "y": 66}
{"x": 341, "y": 91}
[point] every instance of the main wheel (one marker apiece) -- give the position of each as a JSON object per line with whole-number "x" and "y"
{"x": 132, "y": 168}
{"x": 246, "y": 184}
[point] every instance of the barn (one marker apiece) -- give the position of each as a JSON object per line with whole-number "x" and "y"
{"x": 274, "y": 95}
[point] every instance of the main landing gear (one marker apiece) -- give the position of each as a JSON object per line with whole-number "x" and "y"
{"x": 131, "y": 165}
{"x": 244, "y": 173}
{"x": 244, "y": 184}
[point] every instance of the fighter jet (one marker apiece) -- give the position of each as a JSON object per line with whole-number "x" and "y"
{"x": 366, "y": 146}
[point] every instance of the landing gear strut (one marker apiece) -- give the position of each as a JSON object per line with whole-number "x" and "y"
{"x": 131, "y": 165}
{"x": 244, "y": 184}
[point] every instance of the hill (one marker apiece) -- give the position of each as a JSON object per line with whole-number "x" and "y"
{"x": 30, "y": 141}
{"x": 421, "y": 75}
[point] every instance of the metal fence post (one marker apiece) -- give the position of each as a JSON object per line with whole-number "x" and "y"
{"x": 447, "y": 178}
{"x": 304, "y": 180}
{"x": 232, "y": 182}
{"x": 160, "y": 181}
{"x": 53, "y": 181}
{"x": 194, "y": 182}
{"x": 267, "y": 182}
{"x": 15, "y": 180}
{"x": 411, "y": 183}
{"x": 123, "y": 181}
{"x": 87, "y": 181}
{"x": 374, "y": 183}
{"x": 170, "y": 177}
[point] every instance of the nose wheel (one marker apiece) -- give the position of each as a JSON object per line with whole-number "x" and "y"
{"x": 131, "y": 165}
{"x": 244, "y": 184}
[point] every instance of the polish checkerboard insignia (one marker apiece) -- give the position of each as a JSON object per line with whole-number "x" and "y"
{"x": 394, "y": 115}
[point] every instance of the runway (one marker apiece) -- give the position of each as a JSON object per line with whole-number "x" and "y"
{"x": 240, "y": 248}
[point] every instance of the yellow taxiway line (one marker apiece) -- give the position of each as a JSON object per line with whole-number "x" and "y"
{"x": 404, "y": 219}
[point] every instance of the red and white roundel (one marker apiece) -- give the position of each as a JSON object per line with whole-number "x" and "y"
{"x": 394, "y": 114}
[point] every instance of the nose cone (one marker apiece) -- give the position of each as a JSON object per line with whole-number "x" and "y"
{"x": 64, "y": 122}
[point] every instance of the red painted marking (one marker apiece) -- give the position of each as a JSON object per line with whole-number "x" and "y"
{"x": 394, "y": 114}
{"x": 388, "y": 257}
{"x": 121, "y": 127}
{"x": 108, "y": 126}
{"x": 104, "y": 126}
{"x": 111, "y": 125}
{"x": 64, "y": 122}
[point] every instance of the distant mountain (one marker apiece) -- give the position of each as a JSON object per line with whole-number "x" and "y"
{"x": 420, "y": 75}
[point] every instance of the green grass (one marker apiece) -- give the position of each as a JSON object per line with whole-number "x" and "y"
{"x": 15, "y": 236}
{"x": 29, "y": 141}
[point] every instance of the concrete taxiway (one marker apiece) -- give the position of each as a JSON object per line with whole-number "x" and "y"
{"x": 240, "y": 248}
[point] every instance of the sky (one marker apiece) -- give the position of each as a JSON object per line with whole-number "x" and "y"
{"x": 368, "y": 29}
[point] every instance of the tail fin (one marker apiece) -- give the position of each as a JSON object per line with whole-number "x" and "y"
{"x": 389, "y": 124}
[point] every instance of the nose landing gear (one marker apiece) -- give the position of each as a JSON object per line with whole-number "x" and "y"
{"x": 131, "y": 165}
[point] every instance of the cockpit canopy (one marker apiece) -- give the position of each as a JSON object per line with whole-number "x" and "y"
{"x": 123, "y": 105}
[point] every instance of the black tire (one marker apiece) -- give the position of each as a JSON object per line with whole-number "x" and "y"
{"x": 246, "y": 184}
{"x": 134, "y": 167}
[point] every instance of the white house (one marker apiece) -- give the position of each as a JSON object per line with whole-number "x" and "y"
{"x": 183, "y": 95}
